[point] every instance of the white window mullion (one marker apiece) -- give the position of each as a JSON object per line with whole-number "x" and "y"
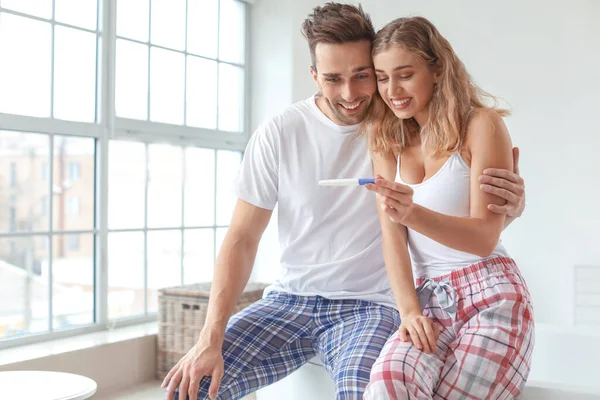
{"x": 218, "y": 63}
{"x": 183, "y": 180}
{"x": 51, "y": 20}
{"x": 50, "y": 236}
{"x": 12, "y": 122}
{"x": 147, "y": 164}
{"x": 179, "y": 141}
{"x": 215, "y": 210}
{"x": 247, "y": 79}
{"x": 101, "y": 260}
{"x": 52, "y": 47}
{"x": 184, "y": 166}
{"x": 149, "y": 59}
{"x": 107, "y": 107}
{"x": 177, "y": 135}
{"x": 99, "y": 62}
{"x": 185, "y": 66}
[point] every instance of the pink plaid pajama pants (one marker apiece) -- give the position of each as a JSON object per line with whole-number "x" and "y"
{"x": 485, "y": 319}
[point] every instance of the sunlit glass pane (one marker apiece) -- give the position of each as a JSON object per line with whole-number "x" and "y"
{"x": 127, "y": 183}
{"x": 231, "y": 98}
{"x": 24, "y": 197}
{"x": 228, "y": 163}
{"x": 23, "y": 285}
{"x": 25, "y": 79}
{"x": 164, "y": 263}
{"x": 199, "y": 187}
{"x": 232, "y": 31}
{"x": 73, "y": 281}
{"x": 202, "y": 34}
{"x": 133, "y": 17}
{"x": 167, "y": 76}
{"x": 81, "y": 13}
{"x": 168, "y": 24}
{"x": 164, "y": 185}
{"x": 201, "y": 93}
{"x": 131, "y": 80}
{"x": 125, "y": 274}
{"x": 74, "y": 180}
{"x": 38, "y": 8}
{"x": 198, "y": 258}
{"x": 74, "y": 75}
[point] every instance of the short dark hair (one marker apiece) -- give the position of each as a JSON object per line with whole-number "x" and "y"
{"x": 337, "y": 23}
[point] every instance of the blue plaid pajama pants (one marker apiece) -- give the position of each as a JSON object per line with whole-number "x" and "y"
{"x": 278, "y": 334}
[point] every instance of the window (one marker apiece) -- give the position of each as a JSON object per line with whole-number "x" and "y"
{"x": 73, "y": 243}
{"x": 74, "y": 171}
{"x": 162, "y": 212}
{"x": 73, "y": 206}
{"x": 12, "y": 175}
{"x": 179, "y": 128}
{"x": 25, "y": 237}
{"x": 37, "y": 47}
{"x": 45, "y": 171}
{"x": 12, "y": 212}
{"x": 44, "y": 207}
{"x": 189, "y": 70}
{"x": 73, "y": 200}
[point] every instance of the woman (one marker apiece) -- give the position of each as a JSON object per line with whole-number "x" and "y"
{"x": 467, "y": 329}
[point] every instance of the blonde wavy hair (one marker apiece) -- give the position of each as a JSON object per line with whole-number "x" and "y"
{"x": 454, "y": 97}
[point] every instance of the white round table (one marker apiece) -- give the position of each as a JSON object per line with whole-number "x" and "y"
{"x": 45, "y": 385}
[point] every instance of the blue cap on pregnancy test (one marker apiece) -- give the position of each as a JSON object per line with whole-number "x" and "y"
{"x": 347, "y": 182}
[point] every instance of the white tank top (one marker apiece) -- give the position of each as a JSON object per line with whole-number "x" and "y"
{"x": 446, "y": 192}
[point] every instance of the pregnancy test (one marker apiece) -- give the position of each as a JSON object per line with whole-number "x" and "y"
{"x": 346, "y": 182}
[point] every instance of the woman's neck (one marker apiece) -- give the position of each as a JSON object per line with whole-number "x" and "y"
{"x": 422, "y": 117}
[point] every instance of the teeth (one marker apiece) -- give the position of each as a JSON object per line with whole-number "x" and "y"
{"x": 400, "y": 102}
{"x": 351, "y": 106}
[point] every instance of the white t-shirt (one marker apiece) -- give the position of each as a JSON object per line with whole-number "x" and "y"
{"x": 330, "y": 237}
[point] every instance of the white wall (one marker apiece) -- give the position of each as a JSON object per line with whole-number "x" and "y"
{"x": 543, "y": 57}
{"x": 271, "y": 78}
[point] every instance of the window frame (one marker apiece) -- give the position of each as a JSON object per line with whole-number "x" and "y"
{"x": 109, "y": 127}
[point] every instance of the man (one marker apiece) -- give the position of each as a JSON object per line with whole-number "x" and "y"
{"x": 333, "y": 298}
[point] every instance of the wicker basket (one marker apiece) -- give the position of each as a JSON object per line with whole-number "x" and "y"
{"x": 181, "y": 316}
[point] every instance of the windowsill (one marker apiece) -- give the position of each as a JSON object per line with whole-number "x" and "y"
{"x": 74, "y": 343}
